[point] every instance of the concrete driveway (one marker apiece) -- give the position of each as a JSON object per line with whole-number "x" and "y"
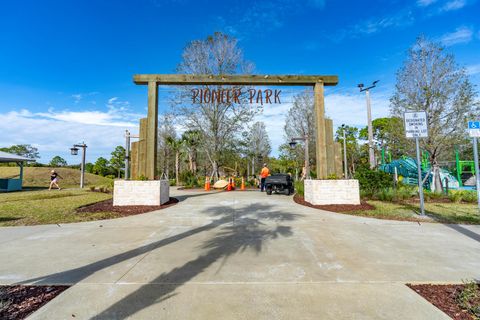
{"x": 239, "y": 255}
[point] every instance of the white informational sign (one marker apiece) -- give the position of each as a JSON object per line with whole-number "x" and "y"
{"x": 474, "y": 129}
{"x": 416, "y": 124}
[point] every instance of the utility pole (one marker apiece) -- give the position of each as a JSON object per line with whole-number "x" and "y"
{"x": 345, "y": 166}
{"x": 371, "y": 152}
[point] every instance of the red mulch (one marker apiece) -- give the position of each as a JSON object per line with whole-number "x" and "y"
{"x": 107, "y": 206}
{"x": 443, "y": 297}
{"x": 18, "y": 301}
{"x": 334, "y": 207}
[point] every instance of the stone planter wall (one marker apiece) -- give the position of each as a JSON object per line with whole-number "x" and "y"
{"x": 141, "y": 193}
{"x": 324, "y": 192}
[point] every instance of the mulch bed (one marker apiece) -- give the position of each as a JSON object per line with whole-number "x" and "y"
{"x": 334, "y": 207}
{"x": 18, "y": 301}
{"x": 443, "y": 297}
{"x": 107, "y": 206}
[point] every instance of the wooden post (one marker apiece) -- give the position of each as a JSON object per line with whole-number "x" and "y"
{"x": 142, "y": 148}
{"x": 152, "y": 123}
{"x": 320, "y": 121}
{"x": 338, "y": 159}
{"x": 329, "y": 147}
{"x": 134, "y": 161}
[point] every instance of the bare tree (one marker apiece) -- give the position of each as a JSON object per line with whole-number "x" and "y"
{"x": 431, "y": 81}
{"x": 258, "y": 144}
{"x": 166, "y": 130}
{"x": 300, "y": 121}
{"x": 219, "y": 122}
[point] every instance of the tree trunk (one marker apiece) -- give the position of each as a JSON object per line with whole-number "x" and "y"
{"x": 177, "y": 165}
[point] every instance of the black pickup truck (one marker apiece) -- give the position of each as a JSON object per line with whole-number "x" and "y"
{"x": 279, "y": 182}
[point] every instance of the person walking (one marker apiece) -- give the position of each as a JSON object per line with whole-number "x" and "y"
{"x": 54, "y": 180}
{"x": 263, "y": 175}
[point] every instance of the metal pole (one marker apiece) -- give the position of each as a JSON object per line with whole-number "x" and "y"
{"x": 345, "y": 166}
{"x": 307, "y": 160}
{"x": 371, "y": 154}
{"x": 477, "y": 173}
{"x": 420, "y": 182}
{"x": 127, "y": 154}
{"x": 82, "y": 169}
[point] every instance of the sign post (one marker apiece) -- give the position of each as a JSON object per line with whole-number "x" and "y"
{"x": 416, "y": 127}
{"x": 474, "y": 131}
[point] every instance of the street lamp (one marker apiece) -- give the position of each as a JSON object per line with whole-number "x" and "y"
{"x": 293, "y": 143}
{"x": 371, "y": 154}
{"x": 344, "y": 152}
{"x": 74, "y": 152}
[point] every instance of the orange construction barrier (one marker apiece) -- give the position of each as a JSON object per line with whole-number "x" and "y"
{"x": 243, "y": 184}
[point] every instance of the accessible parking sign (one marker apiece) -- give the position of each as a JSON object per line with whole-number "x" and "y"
{"x": 474, "y": 129}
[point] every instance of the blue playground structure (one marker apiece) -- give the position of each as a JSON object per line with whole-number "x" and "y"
{"x": 406, "y": 169}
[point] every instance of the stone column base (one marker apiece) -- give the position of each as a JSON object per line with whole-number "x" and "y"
{"x": 324, "y": 192}
{"x": 141, "y": 193}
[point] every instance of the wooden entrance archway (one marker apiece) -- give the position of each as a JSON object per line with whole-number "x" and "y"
{"x": 145, "y": 150}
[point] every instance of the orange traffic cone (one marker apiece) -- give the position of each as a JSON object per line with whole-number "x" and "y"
{"x": 207, "y": 184}
{"x": 243, "y": 184}
{"x": 229, "y": 185}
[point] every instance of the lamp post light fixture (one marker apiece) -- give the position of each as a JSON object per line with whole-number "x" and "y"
{"x": 371, "y": 154}
{"x": 293, "y": 143}
{"x": 74, "y": 152}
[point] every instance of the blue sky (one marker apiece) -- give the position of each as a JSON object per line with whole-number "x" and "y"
{"x": 66, "y": 67}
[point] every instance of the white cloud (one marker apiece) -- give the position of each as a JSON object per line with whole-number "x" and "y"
{"x": 460, "y": 35}
{"x": 425, "y": 3}
{"x": 473, "y": 69}
{"x": 454, "y": 5}
{"x": 53, "y": 132}
{"x": 351, "y": 108}
{"x": 343, "y": 108}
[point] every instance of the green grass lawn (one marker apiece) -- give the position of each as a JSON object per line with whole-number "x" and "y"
{"x": 40, "y": 177}
{"x": 438, "y": 212}
{"x": 45, "y": 207}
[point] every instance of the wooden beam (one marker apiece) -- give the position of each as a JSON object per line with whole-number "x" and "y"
{"x": 338, "y": 160}
{"x": 152, "y": 123}
{"x": 134, "y": 160}
{"x": 321, "y": 150}
{"x": 142, "y": 149}
{"x": 330, "y": 149}
{"x": 201, "y": 79}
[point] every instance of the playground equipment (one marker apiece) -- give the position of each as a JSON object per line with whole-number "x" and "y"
{"x": 406, "y": 169}
{"x": 465, "y": 171}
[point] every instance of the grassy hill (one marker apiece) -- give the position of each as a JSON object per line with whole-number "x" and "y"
{"x": 40, "y": 177}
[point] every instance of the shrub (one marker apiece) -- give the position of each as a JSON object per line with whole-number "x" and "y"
{"x": 142, "y": 178}
{"x": 102, "y": 189}
{"x": 300, "y": 188}
{"x": 110, "y": 176}
{"x": 172, "y": 182}
{"x": 188, "y": 179}
{"x": 372, "y": 181}
{"x": 469, "y": 298}
{"x": 463, "y": 195}
{"x": 92, "y": 188}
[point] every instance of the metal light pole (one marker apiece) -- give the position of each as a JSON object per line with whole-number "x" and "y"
{"x": 371, "y": 153}
{"x": 345, "y": 167}
{"x": 74, "y": 151}
{"x": 307, "y": 160}
{"x": 477, "y": 173}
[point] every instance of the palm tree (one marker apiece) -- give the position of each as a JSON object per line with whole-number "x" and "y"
{"x": 176, "y": 146}
{"x": 191, "y": 140}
